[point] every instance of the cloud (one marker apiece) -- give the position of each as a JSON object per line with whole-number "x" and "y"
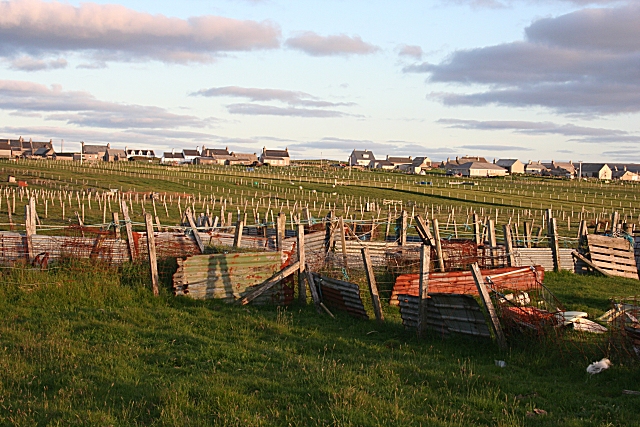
{"x": 582, "y": 133}
{"x": 490, "y": 147}
{"x": 581, "y": 63}
{"x": 501, "y": 4}
{"x": 114, "y": 32}
{"x": 254, "y": 94}
{"x": 82, "y": 108}
{"x": 27, "y": 63}
{"x": 410, "y": 51}
{"x": 316, "y": 45}
{"x": 269, "y": 110}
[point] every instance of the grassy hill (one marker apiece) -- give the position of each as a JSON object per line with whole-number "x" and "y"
{"x": 84, "y": 344}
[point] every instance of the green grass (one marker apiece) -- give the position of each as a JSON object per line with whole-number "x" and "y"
{"x": 84, "y": 345}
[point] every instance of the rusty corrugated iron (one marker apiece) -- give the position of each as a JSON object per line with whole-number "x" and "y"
{"x": 446, "y": 313}
{"x": 341, "y": 295}
{"x": 461, "y": 282}
{"x": 231, "y": 276}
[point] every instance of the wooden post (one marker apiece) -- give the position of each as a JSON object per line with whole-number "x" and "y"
{"x": 116, "y": 225}
{"x": 314, "y": 292}
{"x": 237, "y": 237}
{"x": 527, "y": 234}
{"x": 387, "y": 231}
{"x": 192, "y": 224}
{"x": 343, "y": 242}
{"x": 328, "y": 235}
{"x": 151, "y": 246}
{"x": 555, "y": 246}
{"x": 302, "y": 292}
{"x": 508, "y": 243}
{"x": 486, "y": 299}
{"x": 615, "y": 219}
{"x": 401, "y": 228}
{"x": 281, "y": 224}
{"x": 436, "y": 237}
{"x": 127, "y": 226}
{"x": 29, "y": 231}
{"x": 373, "y": 287}
{"x": 423, "y": 231}
{"x": 491, "y": 234}
{"x": 476, "y": 229}
{"x": 425, "y": 254}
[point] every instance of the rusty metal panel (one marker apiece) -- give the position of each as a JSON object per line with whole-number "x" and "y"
{"x": 342, "y": 295}
{"x": 231, "y": 276}
{"x": 461, "y": 282}
{"x": 446, "y": 313}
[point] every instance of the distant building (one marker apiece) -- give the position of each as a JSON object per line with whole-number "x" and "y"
{"x": 399, "y": 161}
{"x": 67, "y": 156}
{"x": 364, "y": 158}
{"x": 564, "y": 169}
{"x": 5, "y": 150}
{"x": 595, "y": 170}
{"x": 22, "y": 148}
{"x": 114, "y": 155}
{"x": 535, "y": 168}
{"x": 190, "y": 155}
{"x": 625, "y": 175}
{"x": 477, "y": 169}
{"x": 91, "y": 153}
{"x": 513, "y": 166}
{"x": 243, "y": 159}
{"x": 140, "y": 154}
{"x": 172, "y": 157}
{"x": 383, "y": 164}
{"x": 420, "y": 164}
{"x": 275, "y": 157}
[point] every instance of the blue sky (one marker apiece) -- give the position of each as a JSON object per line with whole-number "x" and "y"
{"x": 527, "y": 79}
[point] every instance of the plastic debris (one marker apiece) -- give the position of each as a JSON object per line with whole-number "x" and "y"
{"x": 597, "y": 367}
{"x": 500, "y": 363}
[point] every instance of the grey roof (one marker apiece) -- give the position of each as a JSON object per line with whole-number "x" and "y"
{"x": 507, "y": 162}
{"x": 116, "y": 152}
{"x": 593, "y": 167}
{"x": 94, "y": 149}
{"x": 359, "y": 155}
{"x": 173, "y": 155}
{"x": 633, "y": 167}
{"x": 276, "y": 154}
{"x": 190, "y": 152}
{"x": 212, "y": 152}
{"x": 406, "y": 160}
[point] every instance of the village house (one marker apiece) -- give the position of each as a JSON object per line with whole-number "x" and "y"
{"x": 383, "y": 164}
{"x": 513, "y": 166}
{"x": 22, "y": 148}
{"x": 275, "y": 157}
{"x": 477, "y": 169}
{"x": 91, "y": 153}
{"x": 364, "y": 158}
{"x": 420, "y": 164}
{"x": 114, "y": 155}
{"x": 5, "y": 150}
{"x": 595, "y": 170}
{"x": 624, "y": 174}
{"x": 563, "y": 169}
{"x": 535, "y": 168}
{"x": 67, "y": 156}
{"x": 172, "y": 158}
{"x": 242, "y": 159}
{"x": 190, "y": 155}
{"x": 213, "y": 156}
{"x": 140, "y": 154}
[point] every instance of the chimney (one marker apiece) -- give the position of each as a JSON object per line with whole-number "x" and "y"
{"x": 625, "y": 168}
{"x": 108, "y": 145}
{"x": 173, "y": 151}
{"x": 494, "y": 160}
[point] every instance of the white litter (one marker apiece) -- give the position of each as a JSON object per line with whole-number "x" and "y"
{"x": 500, "y": 363}
{"x": 597, "y": 367}
{"x": 586, "y": 325}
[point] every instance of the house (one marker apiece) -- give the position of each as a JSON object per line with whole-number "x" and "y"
{"x": 564, "y": 169}
{"x": 5, "y": 150}
{"x": 214, "y": 156}
{"x": 173, "y": 157}
{"x": 535, "y": 168}
{"x": 45, "y": 152}
{"x": 399, "y": 161}
{"x": 421, "y": 164}
{"x": 383, "y": 164}
{"x": 190, "y": 155}
{"x": 22, "y": 148}
{"x": 92, "y": 153}
{"x": 275, "y": 157}
{"x": 595, "y": 170}
{"x": 632, "y": 167}
{"x": 625, "y": 175}
{"x": 364, "y": 158}
{"x": 140, "y": 155}
{"x": 114, "y": 155}
{"x": 243, "y": 159}
{"x": 67, "y": 156}
{"x": 513, "y": 166}
{"x": 478, "y": 169}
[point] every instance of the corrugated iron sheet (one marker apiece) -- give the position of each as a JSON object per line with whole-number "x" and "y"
{"x": 446, "y": 313}
{"x": 461, "y": 282}
{"x": 231, "y": 276}
{"x": 544, "y": 257}
{"x": 341, "y": 295}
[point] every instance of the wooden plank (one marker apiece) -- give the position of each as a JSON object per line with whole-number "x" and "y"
{"x": 436, "y": 236}
{"x": 281, "y": 224}
{"x": 237, "y": 236}
{"x": 116, "y": 225}
{"x": 314, "y": 290}
{"x": 343, "y": 242}
{"x": 151, "y": 246}
{"x": 486, "y": 299}
{"x": 508, "y": 242}
{"x": 552, "y": 231}
{"x": 527, "y": 234}
{"x": 476, "y": 229}
{"x": 402, "y": 228}
{"x": 196, "y": 235}
{"x": 423, "y": 231}
{"x": 613, "y": 261}
{"x": 128, "y": 227}
{"x": 425, "y": 253}
{"x": 609, "y": 242}
{"x": 268, "y": 284}
{"x": 373, "y": 287}
{"x": 590, "y": 264}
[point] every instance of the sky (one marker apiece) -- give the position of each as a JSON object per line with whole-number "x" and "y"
{"x": 528, "y": 79}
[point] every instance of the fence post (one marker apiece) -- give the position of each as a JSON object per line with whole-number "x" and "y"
{"x": 237, "y": 237}
{"x": 527, "y": 233}
{"x": 116, "y": 225}
{"x": 436, "y": 237}
{"x": 476, "y": 229}
{"x": 127, "y": 225}
{"x": 373, "y": 287}
{"x": 281, "y": 224}
{"x": 491, "y": 232}
{"x": 555, "y": 247}
{"x": 192, "y": 224}
{"x": 486, "y": 299}
{"x": 151, "y": 246}
{"x": 508, "y": 243}
{"x": 401, "y": 233}
{"x": 302, "y": 292}
{"x": 425, "y": 254}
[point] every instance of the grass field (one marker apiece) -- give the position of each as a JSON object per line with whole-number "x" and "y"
{"x": 85, "y": 344}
